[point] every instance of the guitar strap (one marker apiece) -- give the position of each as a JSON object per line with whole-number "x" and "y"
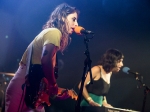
{"x": 56, "y": 67}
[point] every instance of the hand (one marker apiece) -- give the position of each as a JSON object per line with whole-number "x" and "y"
{"x": 63, "y": 96}
{"x": 92, "y": 103}
{"x": 107, "y": 105}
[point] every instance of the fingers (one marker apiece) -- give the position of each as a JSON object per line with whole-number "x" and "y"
{"x": 64, "y": 91}
{"x": 108, "y": 105}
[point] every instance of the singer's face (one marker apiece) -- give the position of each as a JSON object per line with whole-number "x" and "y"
{"x": 71, "y": 22}
{"x": 119, "y": 64}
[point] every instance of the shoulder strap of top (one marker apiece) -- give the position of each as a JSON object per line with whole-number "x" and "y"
{"x": 100, "y": 71}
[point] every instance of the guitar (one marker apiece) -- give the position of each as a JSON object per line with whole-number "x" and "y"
{"x": 43, "y": 95}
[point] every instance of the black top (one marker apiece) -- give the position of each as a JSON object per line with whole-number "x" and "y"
{"x": 99, "y": 87}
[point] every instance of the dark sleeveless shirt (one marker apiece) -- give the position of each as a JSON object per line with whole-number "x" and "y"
{"x": 99, "y": 87}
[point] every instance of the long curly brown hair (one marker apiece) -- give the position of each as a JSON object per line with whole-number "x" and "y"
{"x": 110, "y": 58}
{"x": 56, "y": 21}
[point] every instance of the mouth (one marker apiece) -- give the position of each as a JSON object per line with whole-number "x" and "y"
{"x": 72, "y": 29}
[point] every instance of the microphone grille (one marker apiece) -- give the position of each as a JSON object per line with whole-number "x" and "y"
{"x": 125, "y": 70}
{"x": 78, "y": 29}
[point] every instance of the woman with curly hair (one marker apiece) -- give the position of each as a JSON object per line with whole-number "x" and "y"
{"x": 23, "y": 93}
{"x": 95, "y": 94}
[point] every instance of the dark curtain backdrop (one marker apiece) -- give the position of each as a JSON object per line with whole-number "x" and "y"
{"x": 120, "y": 24}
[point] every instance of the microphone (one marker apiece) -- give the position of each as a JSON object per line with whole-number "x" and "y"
{"x": 127, "y": 71}
{"x": 80, "y": 30}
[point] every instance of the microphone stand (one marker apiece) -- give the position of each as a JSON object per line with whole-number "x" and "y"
{"x": 87, "y": 63}
{"x": 146, "y": 91}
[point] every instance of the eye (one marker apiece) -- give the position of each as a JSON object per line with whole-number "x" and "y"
{"x": 119, "y": 60}
{"x": 74, "y": 19}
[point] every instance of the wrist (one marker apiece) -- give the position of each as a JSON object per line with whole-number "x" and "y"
{"x": 89, "y": 99}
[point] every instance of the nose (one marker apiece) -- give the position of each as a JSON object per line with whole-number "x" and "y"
{"x": 121, "y": 63}
{"x": 76, "y": 23}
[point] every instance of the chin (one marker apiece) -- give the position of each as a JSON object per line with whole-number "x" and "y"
{"x": 70, "y": 32}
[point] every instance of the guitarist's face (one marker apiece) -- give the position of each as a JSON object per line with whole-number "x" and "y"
{"x": 71, "y": 22}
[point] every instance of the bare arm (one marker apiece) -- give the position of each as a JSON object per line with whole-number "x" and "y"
{"x": 47, "y": 64}
{"x": 95, "y": 72}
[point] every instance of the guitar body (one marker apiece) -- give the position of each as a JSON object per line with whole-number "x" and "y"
{"x": 37, "y": 89}
{"x": 33, "y": 80}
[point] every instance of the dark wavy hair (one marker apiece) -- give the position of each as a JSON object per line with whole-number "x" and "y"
{"x": 56, "y": 21}
{"x": 110, "y": 58}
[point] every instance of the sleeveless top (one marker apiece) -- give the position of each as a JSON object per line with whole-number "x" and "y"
{"x": 97, "y": 91}
{"x": 99, "y": 87}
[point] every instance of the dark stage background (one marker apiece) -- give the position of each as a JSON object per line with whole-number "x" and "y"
{"x": 120, "y": 24}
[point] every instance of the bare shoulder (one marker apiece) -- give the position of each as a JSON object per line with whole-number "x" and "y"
{"x": 96, "y": 70}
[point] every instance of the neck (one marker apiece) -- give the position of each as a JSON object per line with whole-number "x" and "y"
{"x": 104, "y": 72}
